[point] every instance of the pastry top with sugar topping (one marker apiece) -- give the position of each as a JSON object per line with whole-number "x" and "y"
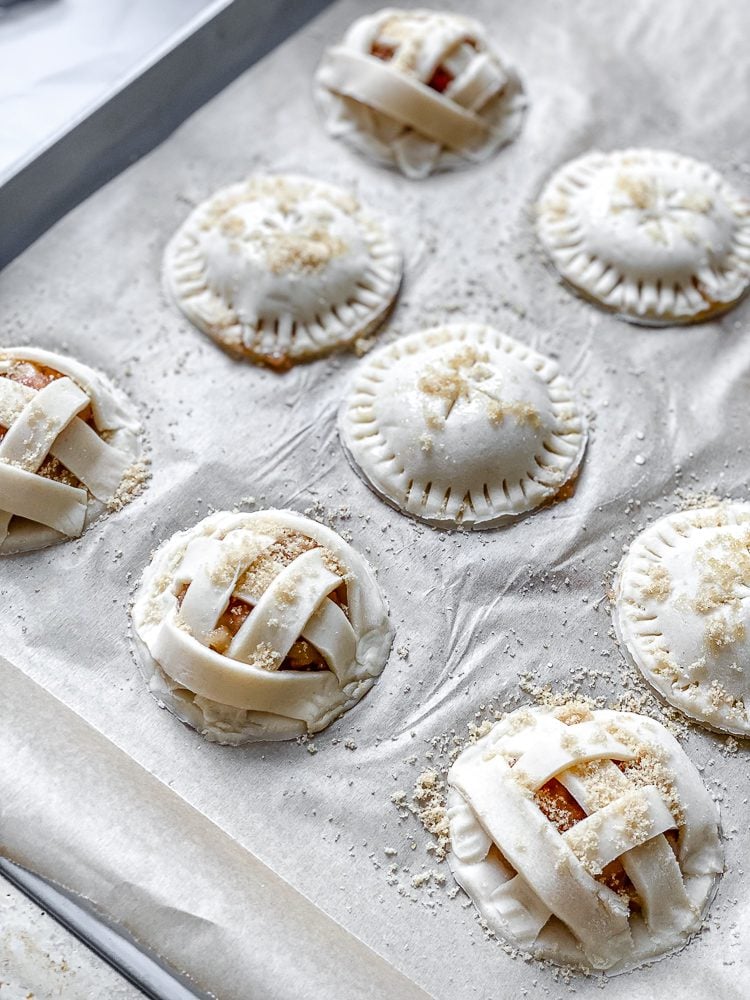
{"x": 260, "y": 626}
{"x": 281, "y": 269}
{"x": 584, "y": 836}
{"x": 682, "y": 611}
{"x": 658, "y": 237}
{"x": 70, "y": 448}
{"x": 420, "y": 90}
{"x": 462, "y": 425}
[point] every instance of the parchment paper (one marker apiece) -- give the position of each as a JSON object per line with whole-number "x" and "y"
{"x": 473, "y": 612}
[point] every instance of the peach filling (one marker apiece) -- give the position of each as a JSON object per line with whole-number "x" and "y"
{"x": 440, "y": 80}
{"x": 302, "y": 655}
{"x": 382, "y": 51}
{"x": 560, "y": 808}
{"x": 38, "y": 376}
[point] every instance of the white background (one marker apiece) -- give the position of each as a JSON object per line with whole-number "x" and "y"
{"x": 59, "y": 58}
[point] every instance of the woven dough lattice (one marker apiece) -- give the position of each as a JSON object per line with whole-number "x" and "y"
{"x": 583, "y": 836}
{"x": 268, "y": 624}
{"x": 67, "y": 440}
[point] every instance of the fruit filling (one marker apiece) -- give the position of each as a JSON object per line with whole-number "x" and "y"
{"x": 37, "y": 376}
{"x": 441, "y": 79}
{"x": 382, "y": 51}
{"x": 303, "y": 655}
{"x": 560, "y": 808}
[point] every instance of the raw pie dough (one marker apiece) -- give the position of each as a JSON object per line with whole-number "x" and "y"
{"x": 658, "y": 237}
{"x": 682, "y": 612}
{"x": 69, "y": 448}
{"x": 419, "y": 89}
{"x": 261, "y": 626}
{"x": 584, "y": 837}
{"x": 281, "y": 269}
{"x": 462, "y": 425}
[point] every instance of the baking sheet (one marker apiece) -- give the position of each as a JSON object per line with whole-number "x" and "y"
{"x": 472, "y": 612}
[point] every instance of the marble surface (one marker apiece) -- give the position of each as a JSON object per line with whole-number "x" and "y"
{"x": 59, "y": 58}
{"x": 40, "y": 960}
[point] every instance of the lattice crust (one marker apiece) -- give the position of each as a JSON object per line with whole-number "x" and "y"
{"x": 462, "y": 425}
{"x": 657, "y": 237}
{"x": 682, "y": 611}
{"x": 585, "y": 837}
{"x": 281, "y": 269}
{"x": 419, "y": 89}
{"x": 259, "y": 626}
{"x": 69, "y": 448}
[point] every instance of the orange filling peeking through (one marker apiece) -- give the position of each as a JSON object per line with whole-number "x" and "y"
{"x": 38, "y": 376}
{"x": 302, "y": 655}
{"x": 560, "y": 808}
{"x": 440, "y": 80}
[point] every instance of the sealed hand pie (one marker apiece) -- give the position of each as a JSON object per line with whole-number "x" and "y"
{"x": 419, "y": 89}
{"x": 261, "y": 626}
{"x": 657, "y": 237}
{"x": 584, "y": 837}
{"x": 682, "y": 612}
{"x": 69, "y": 448}
{"x": 281, "y": 269}
{"x": 462, "y": 425}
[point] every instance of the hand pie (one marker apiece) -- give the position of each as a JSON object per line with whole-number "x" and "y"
{"x": 584, "y": 837}
{"x": 657, "y": 237}
{"x": 282, "y": 269}
{"x": 262, "y": 626}
{"x": 69, "y": 448}
{"x": 682, "y": 612}
{"x": 462, "y": 425}
{"x": 419, "y": 89}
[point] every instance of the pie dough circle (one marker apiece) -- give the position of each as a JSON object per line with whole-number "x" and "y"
{"x": 283, "y": 269}
{"x": 59, "y": 472}
{"x": 551, "y": 839}
{"x": 462, "y": 425}
{"x": 683, "y": 614}
{"x": 420, "y": 90}
{"x": 657, "y": 237}
{"x": 288, "y": 569}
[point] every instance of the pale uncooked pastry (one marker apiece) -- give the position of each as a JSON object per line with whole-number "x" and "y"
{"x": 419, "y": 89}
{"x": 69, "y": 448}
{"x": 658, "y": 237}
{"x": 281, "y": 269}
{"x": 262, "y": 626}
{"x": 584, "y": 837}
{"x": 462, "y": 425}
{"x": 682, "y": 610}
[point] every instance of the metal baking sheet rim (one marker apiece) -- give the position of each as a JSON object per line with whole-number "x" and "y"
{"x": 134, "y": 118}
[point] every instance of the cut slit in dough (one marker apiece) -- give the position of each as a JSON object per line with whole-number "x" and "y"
{"x": 657, "y": 237}
{"x": 282, "y": 269}
{"x": 462, "y": 425}
{"x": 420, "y": 90}
{"x": 69, "y": 448}
{"x": 682, "y": 611}
{"x": 584, "y": 837}
{"x": 261, "y": 626}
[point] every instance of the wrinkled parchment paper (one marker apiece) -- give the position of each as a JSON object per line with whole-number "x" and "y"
{"x": 669, "y": 410}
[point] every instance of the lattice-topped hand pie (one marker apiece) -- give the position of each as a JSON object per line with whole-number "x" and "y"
{"x": 419, "y": 89}
{"x": 462, "y": 425}
{"x": 657, "y": 237}
{"x": 261, "y": 626}
{"x": 69, "y": 448}
{"x": 682, "y": 612}
{"x": 585, "y": 837}
{"x": 281, "y": 269}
